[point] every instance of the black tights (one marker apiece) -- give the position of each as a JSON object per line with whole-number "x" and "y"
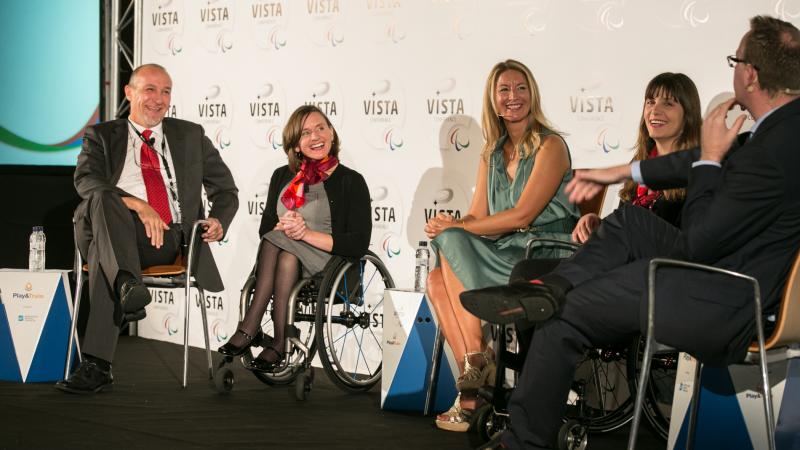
{"x": 277, "y": 271}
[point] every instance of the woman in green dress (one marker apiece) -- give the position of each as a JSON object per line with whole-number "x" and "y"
{"x": 519, "y": 194}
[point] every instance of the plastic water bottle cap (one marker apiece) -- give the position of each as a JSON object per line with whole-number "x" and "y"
{"x": 423, "y": 243}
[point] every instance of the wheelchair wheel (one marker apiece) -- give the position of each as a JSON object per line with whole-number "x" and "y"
{"x": 223, "y": 380}
{"x": 303, "y": 385}
{"x": 572, "y": 436}
{"x": 487, "y": 423}
{"x": 349, "y": 322}
{"x": 657, "y": 406}
{"x": 600, "y": 397}
{"x": 305, "y": 306}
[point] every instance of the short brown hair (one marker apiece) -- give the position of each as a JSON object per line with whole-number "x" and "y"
{"x": 772, "y": 46}
{"x": 293, "y": 130}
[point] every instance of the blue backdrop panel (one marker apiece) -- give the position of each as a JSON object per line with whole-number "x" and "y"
{"x": 9, "y": 368}
{"x": 410, "y": 382}
{"x": 51, "y": 346}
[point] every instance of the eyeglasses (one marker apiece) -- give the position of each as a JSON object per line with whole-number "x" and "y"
{"x": 732, "y": 61}
{"x": 321, "y": 128}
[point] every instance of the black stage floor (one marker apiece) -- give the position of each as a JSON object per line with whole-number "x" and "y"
{"x": 148, "y": 410}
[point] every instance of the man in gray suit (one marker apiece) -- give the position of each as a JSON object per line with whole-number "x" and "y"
{"x": 141, "y": 180}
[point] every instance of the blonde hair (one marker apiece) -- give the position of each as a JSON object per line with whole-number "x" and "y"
{"x": 493, "y": 125}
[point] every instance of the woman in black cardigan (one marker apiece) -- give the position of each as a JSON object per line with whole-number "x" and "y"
{"x": 316, "y": 208}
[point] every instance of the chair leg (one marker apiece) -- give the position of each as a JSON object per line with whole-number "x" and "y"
{"x": 204, "y": 314}
{"x": 644, "y": 377}
{"x": 694, "y": 406}
{"x": 438, "y": 345}
{"x": 187, "y": 296}
{"x": 73, "y": 336}
{"x": 769, "y": 414}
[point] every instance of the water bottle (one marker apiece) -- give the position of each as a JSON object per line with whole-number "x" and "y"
{"x": 421, "y": 269}
{"x": 36, "y": 255}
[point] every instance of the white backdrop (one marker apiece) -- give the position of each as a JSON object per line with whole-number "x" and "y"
{"x": 402, "y": 82}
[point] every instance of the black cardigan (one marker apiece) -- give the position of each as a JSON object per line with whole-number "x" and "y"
{"x": 349, "y": 200}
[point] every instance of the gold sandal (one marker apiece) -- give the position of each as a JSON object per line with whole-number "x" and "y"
{"x": 454, "y": 419}
{"x": 475, "y": 377}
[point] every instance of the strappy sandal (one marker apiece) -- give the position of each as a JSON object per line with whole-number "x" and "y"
{"x": 229, "y": 349}
{"x": 454, "y": 419}
{"x": 262, "y": 365}
{"x": 475, "y": 377}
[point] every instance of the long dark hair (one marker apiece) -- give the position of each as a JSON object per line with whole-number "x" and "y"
{"x": 681, "y": 88}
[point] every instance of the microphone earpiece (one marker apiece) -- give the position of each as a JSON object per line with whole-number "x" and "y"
{"x": 151, "y": 141}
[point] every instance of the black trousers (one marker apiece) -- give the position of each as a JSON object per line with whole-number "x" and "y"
{"x": 608, "y": 275}
{"x": 111, "y": 238}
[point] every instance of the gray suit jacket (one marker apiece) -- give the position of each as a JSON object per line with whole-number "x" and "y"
{"x": 197, "y": 164}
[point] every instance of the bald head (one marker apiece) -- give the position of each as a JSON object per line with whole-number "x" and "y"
{"x": 150, "y": 67}
{"x": 149, "y": 92}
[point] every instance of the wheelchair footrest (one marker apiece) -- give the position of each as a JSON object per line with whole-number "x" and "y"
{"x": 293, "y": 332}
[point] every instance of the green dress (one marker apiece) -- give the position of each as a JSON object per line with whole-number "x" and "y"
{"x": 480, "y": 261}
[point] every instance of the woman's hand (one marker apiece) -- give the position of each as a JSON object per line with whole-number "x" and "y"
{"x": 437, "y": 224}
{"x": 293, "y": 224}
{"x": 586, "y": 225}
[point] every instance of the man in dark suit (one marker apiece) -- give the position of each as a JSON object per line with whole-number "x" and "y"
{"x": 141, "y": 181}
{"x": 742, "y": 212}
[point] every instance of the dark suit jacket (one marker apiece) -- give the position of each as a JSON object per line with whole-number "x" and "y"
{"x": 197, "y": 164}
{"x": 744, "y": 217}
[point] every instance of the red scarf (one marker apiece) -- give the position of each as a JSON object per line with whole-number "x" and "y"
{"x": 312, "y": 171}
{"x": 644, "y": 196}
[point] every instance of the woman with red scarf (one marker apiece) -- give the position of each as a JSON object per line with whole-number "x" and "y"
{"x": 316, "y": 208}
{"x": 670, "y": 122}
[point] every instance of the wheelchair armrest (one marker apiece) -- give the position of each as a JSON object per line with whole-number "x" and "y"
{"x": 657, "y": 263}
{"x": 548, "y": 242}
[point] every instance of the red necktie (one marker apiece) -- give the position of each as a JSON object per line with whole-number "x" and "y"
{"x": 153, "y": 181}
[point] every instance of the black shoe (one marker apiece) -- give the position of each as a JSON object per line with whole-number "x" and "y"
{"x": 229, "y": 349}
{"x": 133, "y": 296}
{"x": 262, "y": 365}
{"x": 513, "y": 302}
{"x": 133, "y": 316}
{"x": 88, "y": 379}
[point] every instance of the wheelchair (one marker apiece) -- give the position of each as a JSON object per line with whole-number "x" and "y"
{"x": 337, "y": 314}
{"x": 601, "y": 399}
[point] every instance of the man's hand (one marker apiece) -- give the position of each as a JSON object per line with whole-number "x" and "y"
{"x": 585, "y": 227}
{"x": 715, "y": 136}
{"x": 154, "y": 227}
{"x": 213, "y": 230}
{"x": 589, "y": 182}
